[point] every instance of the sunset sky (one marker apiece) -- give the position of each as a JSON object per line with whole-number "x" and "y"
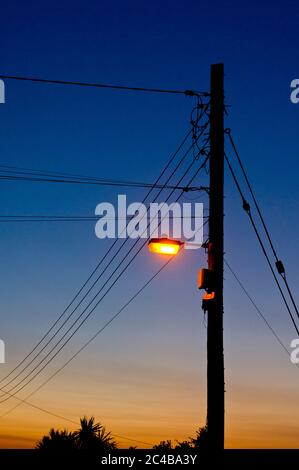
{"x": 145, "y": 377}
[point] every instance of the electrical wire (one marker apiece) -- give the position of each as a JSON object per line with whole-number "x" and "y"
{"x": 90, "y": 303}
{"x": 246, "y": 207}
{"x": 278, "y": 262}
{"x": 64, "y": 418}
{"x": 171, "y": 160}
{"x": 83, "y": 310}
{"x": 83, "y": 180}
{"x": 101, "y": 183}
{"x": 93, "y": 308}
{"x": 21, "y": 401}
{"x": 103, "y": 85}
{"x": 55, "y": 218}
{"x": 258, "y": 310}
{"x": 76, "y": 178}
{"x": 87, "y": 343}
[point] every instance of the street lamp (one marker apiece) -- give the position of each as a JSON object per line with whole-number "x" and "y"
{"x": 165, "y": 246}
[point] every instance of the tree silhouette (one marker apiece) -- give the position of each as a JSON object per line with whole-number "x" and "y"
{"x": 197, "y": 442}
{"x": 201, "y": 439}
{"x": 105, "y": 440}
{"x": 184, "y": 446}
{"x": 58, "y": 441}
{"x": 91, "y": 436}
{"x": 163, "y": 445}
{"x": 87, "y": 436}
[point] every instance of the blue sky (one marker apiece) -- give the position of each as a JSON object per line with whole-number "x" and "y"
{"x": 127, "y": 135}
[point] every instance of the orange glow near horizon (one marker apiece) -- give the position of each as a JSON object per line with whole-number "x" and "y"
{"x": 143, "y": 402}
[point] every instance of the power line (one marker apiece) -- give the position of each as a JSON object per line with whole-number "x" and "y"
{"x": 66, "y": 177}
{"x": 44, "y": 410}
{"x": 278, "y": 262}
{"x": 24, "y": 401}
{"x": 104, "y": 85}
{"x": 85, "y": 345}
{"x": 129, "y": 184}
{"x": 170, "y": 161}
{"x": 74, "y": 218}
{"x": 258, "y": 310}
{"x": 84, "y": 319}
{"x": 108, "y": 323}
{"x": 87, "y": 179}
{"x": 21, "y": 401}
{"x": 246, "y": 207}
{"x": 88, "y": 304}
{"x": 85, "y": 309}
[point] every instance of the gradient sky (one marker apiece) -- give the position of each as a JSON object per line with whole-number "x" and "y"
{"x": 145, "y": 376}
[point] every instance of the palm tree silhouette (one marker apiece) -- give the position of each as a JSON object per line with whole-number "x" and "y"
{"x": 87, "y": 436}
{"x": 91, "y": 437}
{"x": 58, "y": 441}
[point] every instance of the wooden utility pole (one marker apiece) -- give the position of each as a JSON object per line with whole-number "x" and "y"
{"x": 215, "y": 367}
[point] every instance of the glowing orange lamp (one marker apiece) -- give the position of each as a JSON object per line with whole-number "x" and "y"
{"x": 165, "y": 246}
